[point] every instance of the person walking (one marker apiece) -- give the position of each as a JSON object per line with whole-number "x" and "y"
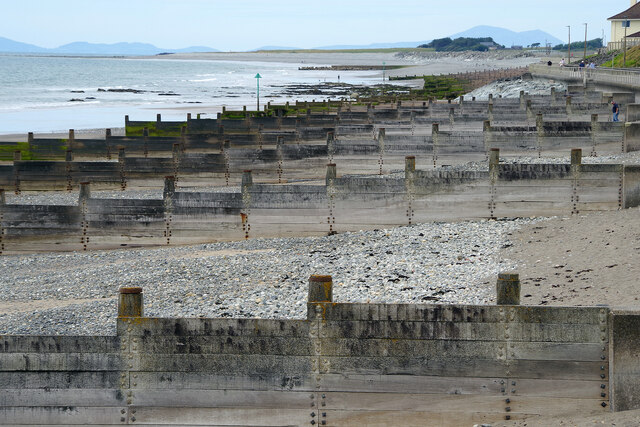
{"x": 615, "y": 108}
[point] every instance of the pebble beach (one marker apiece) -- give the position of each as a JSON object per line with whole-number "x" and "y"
{"x": 75, "y": 293}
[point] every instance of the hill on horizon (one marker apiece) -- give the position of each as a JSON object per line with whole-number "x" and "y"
{"x": 509, "y": 38}
{"x": 501, "y": 36}
{"x": 86, "y": 48}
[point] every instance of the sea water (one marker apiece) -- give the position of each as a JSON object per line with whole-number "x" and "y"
{"x": 36, "y": 92}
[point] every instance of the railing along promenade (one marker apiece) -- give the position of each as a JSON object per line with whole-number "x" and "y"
{"x": 629, "y": 79}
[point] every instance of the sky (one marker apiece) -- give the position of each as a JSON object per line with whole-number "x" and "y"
{"x": 238, "y": 25}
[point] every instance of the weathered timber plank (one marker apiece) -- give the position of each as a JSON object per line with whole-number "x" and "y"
{"x": 61, "y": 415}
{"x": 225, "y": 345}
{"x": 69, "y": 379}
{"x": 463, "y": 331}
{"x": 222, "y": 327}
{"x": 223, "y": 363}
{"x": 469, "y": 367}
{"x": 223, "y": 381}
{"x": 466, "y": 313}
{"x": 60, "y": 362}
{"x": 193, "y": 398}
{"x": 458, "y": 403}
{"x": 62, "y": 397}
{"x": 438, "y": 349}
{"x": 58, "y": 344}
{"x": 222, "y": 416}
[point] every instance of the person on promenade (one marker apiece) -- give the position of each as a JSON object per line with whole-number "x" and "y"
{"x": 581, "y": 64}
{"x": 562, "y": 62}
{"x": 615, "y": 108}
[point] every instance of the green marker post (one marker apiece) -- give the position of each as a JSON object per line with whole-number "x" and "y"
{"x": 258, "y": 77}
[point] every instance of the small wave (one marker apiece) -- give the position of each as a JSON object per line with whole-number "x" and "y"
{"x": 203, "y": 80}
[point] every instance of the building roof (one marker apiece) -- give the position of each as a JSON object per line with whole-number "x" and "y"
{"x": 632, "y": 13}
{"x": 634, "y": 35}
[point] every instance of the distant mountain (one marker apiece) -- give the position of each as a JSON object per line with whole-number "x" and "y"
{"x": 8, "y": 45}
{"x": 509, "y": 38}
{"x": 85, "y": 48}
{"x": 373, "y": 46}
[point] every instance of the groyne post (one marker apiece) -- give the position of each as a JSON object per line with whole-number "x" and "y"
{"x": 245, "y": 186}
{"x": 576, "y": 157}
{"x": 494, "y": 163}
{"x": 576, "y": 163}
{"x": 107, "y": 137}
{"x": 522, "y": 100}
{"x": 508, "y": 289}
{"x": 569, "y": 108}
{"x": 3, "y": 201}
{"x": 539, "y": 133}
{"x": 83, "y": 197}
{"x": 130, "y": 302}
{"x": 280, "y": 156}
{"x": 331, "y": 149}
{"x": 320, "y": 289}
{"x": 595, "y": 127}
{"x": 17, "y": 155}
{"x": 168, "y": 194}
{"x": 85, "y": 192}
{"x": 72, "y": 139}
{"x": 331, "y": 174}
{"x": 121, "y": 164}
{"x": 68, "y": 158}
{"x": 486, "y": 136}
{"x": 145, "y": 140}
{"x": 330, "y": 179}
{"x": 529, "y": 111}
{"x": 553, "y": 96}
{"x": 435, "y": 129}
{"x": 409, "y": 183}
{"x": 382, "y": 132}
{"x": 176, "y": 158}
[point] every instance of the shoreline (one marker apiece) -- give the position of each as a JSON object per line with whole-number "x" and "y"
{"x": 110, "y": 113}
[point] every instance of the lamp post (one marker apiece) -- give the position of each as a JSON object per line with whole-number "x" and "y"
{"x": 258, "y": 77}
{"x": 569, "y": 46}
{"x": 624, "y": 48}
{"x": 584, "y": 56}
{"x": 384, "y": 64}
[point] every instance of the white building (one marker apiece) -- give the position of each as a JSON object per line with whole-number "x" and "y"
{"x": 632, "y": 14}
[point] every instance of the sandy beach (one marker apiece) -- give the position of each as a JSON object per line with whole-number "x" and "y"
{"x": 416, "y": 62}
